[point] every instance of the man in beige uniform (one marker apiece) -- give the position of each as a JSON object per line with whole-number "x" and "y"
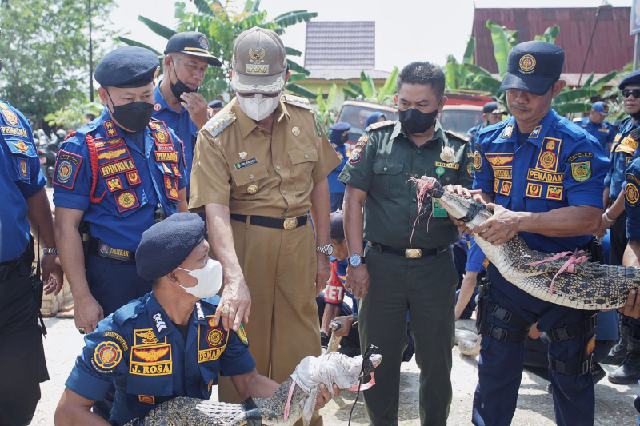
{"x": 260, "y": 167}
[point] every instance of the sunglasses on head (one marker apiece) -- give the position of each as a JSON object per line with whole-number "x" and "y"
{"x": 631, "y": 92}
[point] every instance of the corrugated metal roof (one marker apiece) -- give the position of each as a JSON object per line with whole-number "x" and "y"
{"x": 612, "y": 45}
{"x": 342, "y": 45}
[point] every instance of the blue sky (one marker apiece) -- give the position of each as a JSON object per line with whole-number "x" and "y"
{"x": 405, "y": 29}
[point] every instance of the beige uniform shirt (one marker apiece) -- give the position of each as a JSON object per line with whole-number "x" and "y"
{"x": 254, "y": 172}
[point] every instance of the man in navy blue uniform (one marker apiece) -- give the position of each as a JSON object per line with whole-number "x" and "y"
{"x": 117, "y": 175}
{"x": 24, "y": 203}
{"x": 338, "y": 137}
{"x": 168, "y": 343}
{"x": 596, "y": 125}
{"x": 545, "y": 176}
{"x": 177, "y": 101}
{"x": 492, "y": 113}
{"x": 623, "y": 150}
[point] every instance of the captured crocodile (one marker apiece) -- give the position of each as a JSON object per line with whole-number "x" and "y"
{"x": 566, "y": 279}
{"x": 293, "y": 400}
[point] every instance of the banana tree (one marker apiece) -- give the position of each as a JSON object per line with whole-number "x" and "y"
{"x": 221, "y": 22}
{"x": 367, "y": 90}
{"x": 327, "y": 107}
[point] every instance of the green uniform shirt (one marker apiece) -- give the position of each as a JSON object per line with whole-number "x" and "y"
{"x": 382, "y": 163}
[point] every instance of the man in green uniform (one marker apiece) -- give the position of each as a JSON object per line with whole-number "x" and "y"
{"x": 409, "y": 262}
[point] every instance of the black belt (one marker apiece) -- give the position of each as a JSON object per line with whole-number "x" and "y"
{"x": 272, "y": 222}
{"x": 104, "y": 250}
{"x": 410, "y": 253}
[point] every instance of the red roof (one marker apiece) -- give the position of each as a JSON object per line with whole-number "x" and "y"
{"x": 612, "y": 46}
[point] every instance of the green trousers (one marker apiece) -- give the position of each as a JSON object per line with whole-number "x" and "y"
{"x": 425, "y": 289}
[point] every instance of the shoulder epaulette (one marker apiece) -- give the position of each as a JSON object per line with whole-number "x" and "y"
{"x": 127, "y": 312}
{"x": 219, "y": 122}
{"x": 381, "y": 124}
{"x": 570, "y": 128}
{"x": 457, "y": 135}
{"x": 296, "y": 101}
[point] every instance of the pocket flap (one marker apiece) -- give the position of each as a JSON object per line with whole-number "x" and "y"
{"x": 249, "y": 174}
{"x": 385, "y": 168}
{"x": 299, "y": 156}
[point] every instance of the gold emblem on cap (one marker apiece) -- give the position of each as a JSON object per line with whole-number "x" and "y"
{"x": 527, "y": 63}
{"x": 252, "y": 189}
{"x": 295, "y": 131}
{"x": 257, "y": 55}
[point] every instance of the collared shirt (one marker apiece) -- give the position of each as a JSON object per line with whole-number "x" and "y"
{"x": 180, "y": 123}
{"x": 255, "y": 172}
{"x": 632, "y": 200}
{"x": 140, "y": 351}
{"x": 20, "y": 178}
{"x": 381, "y": 165}
{"x": 129, "y": 176}
{"x": 623, "y": 150}
{"x": 603, "y": 132}
{"x": 557, "y": 165}
{"x": 335, "y": 186}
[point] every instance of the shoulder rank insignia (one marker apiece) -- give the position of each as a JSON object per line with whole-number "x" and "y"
{"x": 506, "y": 133}
{"x": 219, "y": 122}
{"x": 381, "y": 124}
{"x": 296, "y": 101}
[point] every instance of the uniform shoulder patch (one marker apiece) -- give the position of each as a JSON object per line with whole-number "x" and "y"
{"x": 296, "y": 101}
{"x": 456, "y": 135}
{"x": 631, "y": 194}
{"x": 66, "y": 169}
{"x": 381, "y": 124}
{"x": 106, "y": 356}
{"x": 219, "y": 122}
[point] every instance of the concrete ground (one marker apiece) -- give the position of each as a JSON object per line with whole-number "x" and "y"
{"x": 614, "y": 404}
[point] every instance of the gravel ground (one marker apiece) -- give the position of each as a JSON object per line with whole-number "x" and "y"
{"x": 614, "y": 404}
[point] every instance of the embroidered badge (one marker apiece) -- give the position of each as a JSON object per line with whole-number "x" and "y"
{"x": 127, "y": 200}
{"x": 573, "y": 157}
{"x": 454, "y": 166}
{"x": 242, "y": 334}
{"x": 554, "y": 192}
{"x": 548, "y": 160}
{"x": 110, "y": 128}
{"x": 116, "y": 167}
{"x": 527, "y": 63}
{"x": 355, "y": 155}
{"x": 477, "y": 160}
{"x": 505, "y": 188}
{"x": 534, "y": 190}
{"x": 151, "y": 360}
{"x": 24, "y": 169}
{"x": 212, "y": 344}
{"x": 439, "y": 170}
{"x": 175, "y": 170}
{"x": 544, "y": 176}
{"x": 10, "y": 116}
{"x": 502, "y": 173}
{"x": 114, "y": 184}
{"x": 535, "y": 132}
{"x": 13, "y": 131}
{"x": 106, "y": 356}
{"x": 581, "y": 170}
{"x": 161, "y": 136}
{"x": 171, "y": 186}
{"x": 118, "y": 338}
{"x": 214, "y": 337}
{"x": 144, "y": 336}
{"x": 171, "y": 157}
{"x": 21, "y": 146}
{"x": 506, "y": 133}
{"x": 133, "y": 178}
{"x": 498, "y": 159}
{"x": 447, "y": 155}
{"x": 160, "y": 324}
{"x": 66, "y": 169}
{"x": 115, "y": 154}
{"x": 470, "y": 168}
{"x": 147, "y": 399}
{"x": 631, "y": 194}
{"x": 114, "y": 253}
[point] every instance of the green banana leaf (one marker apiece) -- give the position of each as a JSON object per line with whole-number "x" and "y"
{"x": 156, "y": 27}
{"x": 130, "y": 42}
{"x": 469, "y": 52}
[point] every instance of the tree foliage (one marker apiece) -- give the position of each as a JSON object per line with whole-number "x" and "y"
{"x": 45, "y": 50}
{"x": 367, "y": 90}
{"x": 222, "y": 22}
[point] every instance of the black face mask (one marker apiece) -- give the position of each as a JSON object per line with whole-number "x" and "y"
{"x": 415, "y": 121}
{"x": 179, "y": 87}
{"x": 134, "y": 116}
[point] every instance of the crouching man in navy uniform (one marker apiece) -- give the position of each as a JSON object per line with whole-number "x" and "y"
{"x": 168, "y": 343}
{"x": 545, "y": 176}
{"x": 116, "y": 175}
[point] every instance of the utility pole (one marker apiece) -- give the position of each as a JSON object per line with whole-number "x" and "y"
{"x": 90, "y": 16}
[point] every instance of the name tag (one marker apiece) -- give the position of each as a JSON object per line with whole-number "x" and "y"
{"x": 245, "y": 163}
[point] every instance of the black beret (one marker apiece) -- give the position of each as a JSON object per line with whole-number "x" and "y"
{"x": 633, "y": 78}
{"x": 128, "y": 66}
{"x": 165, "y": 245}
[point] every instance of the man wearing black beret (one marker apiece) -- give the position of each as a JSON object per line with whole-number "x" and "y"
{"x": 167, "y": 343}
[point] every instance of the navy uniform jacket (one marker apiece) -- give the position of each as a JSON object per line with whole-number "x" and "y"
{"x": 20, "y": 178}
{"x": 623, "y": 151}
{"x": 603, "y": 132}
{"x": 144, "y": 355}
{"x": 632, "y": 200}
{"x": 122, "y": 183}
{"x": 558, "y": 165}
{"x": 335, "y": 186}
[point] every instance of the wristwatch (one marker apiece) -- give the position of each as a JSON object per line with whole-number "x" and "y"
{"x": 326, "y": 249}
{"x": 355, "y": 260}
{"x": 49, "y": 250}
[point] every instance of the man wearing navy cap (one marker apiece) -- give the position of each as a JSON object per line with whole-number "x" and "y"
{"x": 338, "y": 136}
{"x": 492, "y": 113}
{"x": 544, "y": 175}
{"x": 177, "y": 101}
{"x": 623, "y": 150}
{"x": 213, "y": 107}
{"x": 115, "y": 176}
{"x": 167, "y": 343}
{"x": 597, "y": 125}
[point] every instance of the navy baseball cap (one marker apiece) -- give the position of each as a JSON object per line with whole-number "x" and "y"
{"x": 127, "y": 66}
{"x": 533, "y": 66}
{"x": 215, "y": 104}
{"x": 192, "y": 43}
{"x": 633, "y": 78}
{"x": 600, "y": 107}
{"x": 340, "y": 126}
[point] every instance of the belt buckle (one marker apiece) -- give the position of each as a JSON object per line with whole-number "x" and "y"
{"x": 413, "y": 253}
{"x": 290, "y": 223}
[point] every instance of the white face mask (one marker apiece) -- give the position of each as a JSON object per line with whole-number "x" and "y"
{"x": 259, "y": 107}
{"x": 209, "y": 280}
